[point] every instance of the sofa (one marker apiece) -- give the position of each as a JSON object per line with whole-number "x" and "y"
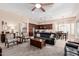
{"x": 48, "y": 37}
{"x": 71, "y": 49}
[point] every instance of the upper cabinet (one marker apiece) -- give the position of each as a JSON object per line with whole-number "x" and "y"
{"x": 34, "y": 26}
{"x": 44, "y": 26}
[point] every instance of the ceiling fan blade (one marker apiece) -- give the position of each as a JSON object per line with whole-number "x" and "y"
{"x": 33, "y": 8}
{"x": 42, "y": 9}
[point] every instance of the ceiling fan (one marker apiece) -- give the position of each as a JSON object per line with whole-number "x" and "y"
{"x": 40, "y": 6}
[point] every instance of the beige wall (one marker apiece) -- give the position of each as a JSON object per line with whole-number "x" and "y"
{"x": 12, "y": 19}
{"x": 56, "y": 22}
{"x": 16, "y": 20}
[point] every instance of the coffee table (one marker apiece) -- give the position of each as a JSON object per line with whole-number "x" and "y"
{"x": 37, "y": 42}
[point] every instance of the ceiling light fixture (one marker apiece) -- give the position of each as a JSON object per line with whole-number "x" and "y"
{"x": 38, "y": 5}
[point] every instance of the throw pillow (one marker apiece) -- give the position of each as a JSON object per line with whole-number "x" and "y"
{"x": 51, "y": 36}
{"x": 32, "y": 37}
{"x": 38, "y": 35}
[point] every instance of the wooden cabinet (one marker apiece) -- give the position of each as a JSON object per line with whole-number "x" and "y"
{"x": 31, "y": 26}
{"x": 37, "y": 26}
{"x": 44, "y": 26}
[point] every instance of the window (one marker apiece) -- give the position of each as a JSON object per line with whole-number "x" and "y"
{"x": 67, "y": 27}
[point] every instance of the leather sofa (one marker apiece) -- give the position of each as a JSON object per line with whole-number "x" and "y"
{"x": 46, "y": 36}
{"x": 71, "y": 49}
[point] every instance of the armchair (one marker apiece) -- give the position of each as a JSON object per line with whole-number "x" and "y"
{"x": 24, "y": 37}
{"x": 10, "y": 39}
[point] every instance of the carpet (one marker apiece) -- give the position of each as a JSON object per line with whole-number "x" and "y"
{"x": 25, "y": 49}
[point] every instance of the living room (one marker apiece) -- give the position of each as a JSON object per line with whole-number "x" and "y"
{"x": 51, "y": 24}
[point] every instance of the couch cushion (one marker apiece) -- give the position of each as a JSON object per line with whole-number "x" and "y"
{"x": 72, "y": 45}
{"x": 46, "y": 35}
{"x": 45, "y": 38}
{"x": 10, "y": 40}
{"x": 52, "y": 35}
{"x": 37, "y": 35}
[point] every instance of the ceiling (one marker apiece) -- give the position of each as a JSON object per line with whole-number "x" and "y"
{"x": 53, "y": 11}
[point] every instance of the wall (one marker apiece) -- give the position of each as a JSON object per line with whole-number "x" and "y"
{"x": 0, "y": 26}
{"x": 12, "y": 19}
{"x": 33, "y": 21}
{"x": 77, "y": 26}
{"x": 56, "y": 22}
{"x": 17, "y": 20}
{"x": 76, "y": 10}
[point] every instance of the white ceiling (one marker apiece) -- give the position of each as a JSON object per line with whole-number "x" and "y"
{"x": 53, "y": 11}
